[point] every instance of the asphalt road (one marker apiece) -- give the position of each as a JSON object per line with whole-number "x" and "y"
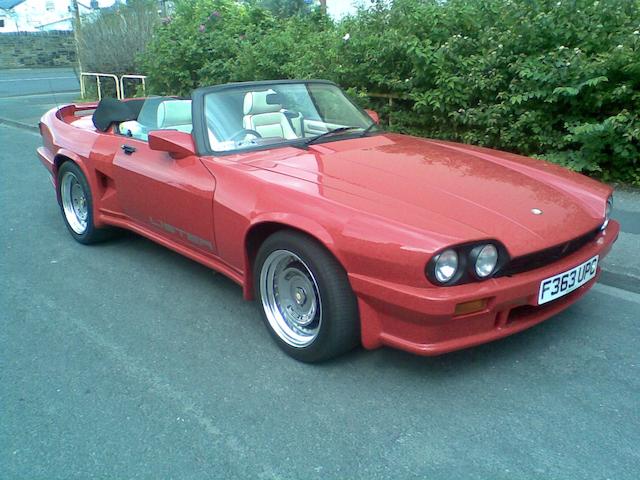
{"x": 31, "y": 81}
{"x": 126, "y": 360}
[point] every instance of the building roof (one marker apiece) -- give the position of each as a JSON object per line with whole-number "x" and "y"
{"x": 8, "y": 4}
{"x": 61, "y": 20}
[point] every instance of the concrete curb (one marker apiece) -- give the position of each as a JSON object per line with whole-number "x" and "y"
{"x": 23, "y": 126}
{"x": 628, "y": 283}
{"x": 45, "y": 94}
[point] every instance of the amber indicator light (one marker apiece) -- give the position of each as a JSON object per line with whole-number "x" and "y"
{"x": 471, "y": 307}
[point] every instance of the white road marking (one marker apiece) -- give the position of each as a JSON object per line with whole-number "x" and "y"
{"x": 36, "y": 78}
{"x": 618, "y": 293}
{"x": 56, "y": 94}
{"x": 23, "y": 130}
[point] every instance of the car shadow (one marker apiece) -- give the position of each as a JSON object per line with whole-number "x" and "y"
{"x": 142, "y": 246}
{"x": 502, "y": 353}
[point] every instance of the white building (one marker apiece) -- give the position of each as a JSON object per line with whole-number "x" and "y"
{"x": 42, "y": 15}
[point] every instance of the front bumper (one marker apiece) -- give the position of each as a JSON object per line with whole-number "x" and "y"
{"x": 423, "y": 320}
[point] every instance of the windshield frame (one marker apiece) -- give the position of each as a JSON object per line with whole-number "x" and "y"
{"x": 201, "y": 137}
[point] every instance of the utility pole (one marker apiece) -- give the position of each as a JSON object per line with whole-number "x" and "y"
{"x": 76, "y": 37}
{"x": 323, "y": 6}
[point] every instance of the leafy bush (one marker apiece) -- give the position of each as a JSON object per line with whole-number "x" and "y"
{"x": 555, "y": 79}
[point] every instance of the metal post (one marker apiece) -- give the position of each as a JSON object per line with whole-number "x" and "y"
{"x": 76, "y": 37}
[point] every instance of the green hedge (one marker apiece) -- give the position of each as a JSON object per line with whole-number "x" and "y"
{"x": 555, "y": 79}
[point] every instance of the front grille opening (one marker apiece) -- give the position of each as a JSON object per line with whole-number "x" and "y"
{"x": 548, "y": 256}
{"x": 524, "y": 312}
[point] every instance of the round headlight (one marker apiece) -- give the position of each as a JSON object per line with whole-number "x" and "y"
{"x": 607, "y": 212}
{"x": 446, "y": 266}
{"x": 486, "y": 261}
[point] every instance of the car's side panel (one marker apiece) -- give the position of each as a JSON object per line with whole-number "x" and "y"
{"x": 173, "y": 197}
{"x": 247, "y": 197}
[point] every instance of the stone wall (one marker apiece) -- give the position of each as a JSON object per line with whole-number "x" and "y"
{"x": 39, "y": 49}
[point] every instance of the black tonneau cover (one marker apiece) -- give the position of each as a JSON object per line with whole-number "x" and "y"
{"x": 111, "y": 110}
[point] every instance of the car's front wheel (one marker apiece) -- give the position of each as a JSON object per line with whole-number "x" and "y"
{"x": 305, "y": 298}
{"x": 76, "y": 204}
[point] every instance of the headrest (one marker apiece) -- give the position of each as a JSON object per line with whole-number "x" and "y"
{"x": 255, "y": 103}
{"x": 111, "y": 110}
{"x": 172, "y": 113}
{"x": 148, "y": 115}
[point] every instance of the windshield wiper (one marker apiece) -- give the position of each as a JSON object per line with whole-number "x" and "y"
{"x": 368, "y": 129}
{"x": 313, "y": 140}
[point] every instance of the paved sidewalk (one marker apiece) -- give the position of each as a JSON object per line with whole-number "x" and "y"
{"x": 622, "y": 265}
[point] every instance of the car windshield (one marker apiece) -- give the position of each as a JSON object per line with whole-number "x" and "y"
{"x": 254, "y": 116}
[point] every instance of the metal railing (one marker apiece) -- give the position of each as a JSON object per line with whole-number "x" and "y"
{"x": 118, "y": 82}
{"x": 142, "y": 79}
{"x": 389, "y": 97}
{"x": 98, "y": 83}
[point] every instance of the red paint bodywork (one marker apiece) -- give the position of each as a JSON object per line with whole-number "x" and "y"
{"x": 382, "y": 205}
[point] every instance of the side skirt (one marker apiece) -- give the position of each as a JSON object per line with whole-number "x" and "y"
{"x": 214, "y": 263}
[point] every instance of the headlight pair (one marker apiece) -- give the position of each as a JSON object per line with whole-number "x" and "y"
{"x": 454, "y": 265}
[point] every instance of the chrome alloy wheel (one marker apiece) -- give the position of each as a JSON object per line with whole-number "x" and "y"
{"x": 74, "y": 203}
{"x": 290, "y": 298}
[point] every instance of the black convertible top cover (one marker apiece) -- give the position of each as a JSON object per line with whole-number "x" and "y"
{"x": 111, "y": 110}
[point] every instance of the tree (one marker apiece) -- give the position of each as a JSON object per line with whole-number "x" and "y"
{"x": 110, "y": 40}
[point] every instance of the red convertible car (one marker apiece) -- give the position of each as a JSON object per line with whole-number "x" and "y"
{"x": 345, "y": 234}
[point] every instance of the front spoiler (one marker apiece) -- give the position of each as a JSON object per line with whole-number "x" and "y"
{"x": 423, "y": 320}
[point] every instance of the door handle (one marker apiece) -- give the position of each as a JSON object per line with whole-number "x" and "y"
{"x": 128, "y": 149}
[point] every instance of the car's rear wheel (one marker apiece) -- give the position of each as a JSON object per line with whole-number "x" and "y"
{"x": 305, "y": 298}
{"x": 76, "y": 204}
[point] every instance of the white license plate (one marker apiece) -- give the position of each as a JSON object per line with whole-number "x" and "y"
{"x": 566, "y": 282}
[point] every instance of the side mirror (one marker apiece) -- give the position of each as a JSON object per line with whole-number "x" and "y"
{"x": 175, "y": 143}
{"x": 374, "y": 115}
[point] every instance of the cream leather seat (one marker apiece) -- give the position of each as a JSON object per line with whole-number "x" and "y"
{"x": 175, "y": 115}
{"x": 266, "y": 119}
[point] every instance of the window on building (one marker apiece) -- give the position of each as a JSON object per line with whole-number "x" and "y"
{"x": 1, "y": 22}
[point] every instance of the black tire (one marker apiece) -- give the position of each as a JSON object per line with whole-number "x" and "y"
{"x": 91, "y": 234}
{"x": 339, "y": 324}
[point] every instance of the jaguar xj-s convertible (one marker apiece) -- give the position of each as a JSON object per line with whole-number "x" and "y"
{"x": 343, "y": 233}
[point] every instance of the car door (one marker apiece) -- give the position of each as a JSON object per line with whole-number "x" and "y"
{"x": 173, "y": 197}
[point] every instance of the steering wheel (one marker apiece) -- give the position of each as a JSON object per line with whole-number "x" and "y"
{"x": 243, "y": 133}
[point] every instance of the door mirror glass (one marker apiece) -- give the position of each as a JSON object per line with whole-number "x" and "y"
{"x": 374, "y": 115}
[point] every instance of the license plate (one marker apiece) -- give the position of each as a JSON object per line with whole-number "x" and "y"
{"x": 566, "y": 282}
